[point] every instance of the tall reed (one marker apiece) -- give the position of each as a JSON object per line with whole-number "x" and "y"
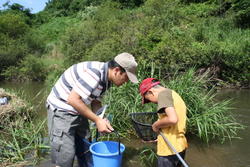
{"x": 207, "y": 118}
{"x": 22, "y": 143}
{"x": 21, "y": 134}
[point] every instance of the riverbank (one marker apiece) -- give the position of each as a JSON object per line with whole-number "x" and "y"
{"x": 21, "y": 135}
{"x": 13, "y": 109}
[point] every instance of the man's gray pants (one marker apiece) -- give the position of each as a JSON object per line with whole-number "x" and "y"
{"x": 66, "y": 132}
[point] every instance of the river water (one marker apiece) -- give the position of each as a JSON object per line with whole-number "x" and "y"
{"x": 230, "y": 154}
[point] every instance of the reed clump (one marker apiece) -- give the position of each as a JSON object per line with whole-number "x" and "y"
{"x": 21, "y": 135}
{"x": 15, "y": 109}
{"x": 208, "y": 118}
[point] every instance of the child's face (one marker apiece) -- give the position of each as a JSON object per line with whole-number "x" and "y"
{"x": 151, "y": 96}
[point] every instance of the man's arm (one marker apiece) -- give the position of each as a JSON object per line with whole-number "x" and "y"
{"x": 75, "y": 101}
{"x": 170, "y": 119}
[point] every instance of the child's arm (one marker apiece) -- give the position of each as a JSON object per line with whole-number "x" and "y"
{"x": 170, "y": 119}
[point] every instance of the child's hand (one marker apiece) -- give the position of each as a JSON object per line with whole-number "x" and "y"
{"x": 155, "y": 128}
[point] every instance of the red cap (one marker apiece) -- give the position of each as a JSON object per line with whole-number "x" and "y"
{"x": 145, "y": 85}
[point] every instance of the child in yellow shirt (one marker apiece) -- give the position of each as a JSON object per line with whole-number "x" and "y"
{"x": 172, "y": 120}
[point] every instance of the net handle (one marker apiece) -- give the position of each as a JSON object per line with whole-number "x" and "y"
{"x": 173, "y": 149}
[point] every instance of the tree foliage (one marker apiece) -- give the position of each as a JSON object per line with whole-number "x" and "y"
{"x": 16, "y": 37}
{"x": 13, "y": 25}
{"x": 166, "y": 33}
{"x": 69, "y": 7}
{"x": 175, "y": 34}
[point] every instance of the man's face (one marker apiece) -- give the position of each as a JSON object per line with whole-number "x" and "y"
{"x": 120, "y": 78}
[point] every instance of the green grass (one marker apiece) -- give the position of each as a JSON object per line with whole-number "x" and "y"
{"x": 21, "y": 135}
{"x": 55, "y": 28}
{"x": 207, "y": 118}
{"x": 148, "y": 157}
{"x": 18, "y": 142}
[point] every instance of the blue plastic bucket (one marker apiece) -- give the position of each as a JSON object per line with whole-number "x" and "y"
{"x": 106, "y": 153}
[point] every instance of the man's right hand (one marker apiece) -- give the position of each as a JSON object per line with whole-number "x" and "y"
{"x": 103, "y": 126}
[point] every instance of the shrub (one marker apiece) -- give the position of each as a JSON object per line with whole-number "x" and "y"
{"x": 30, "y": 68}
{"x": 12, "y": 46}
{"x": 224, "y": 47}
{"x": 165, "y": 32}
{"x": 35, "y": 42}
{"x": 11, "y": 51}
{"x": 242, "y": 16}
{"x": 13, "y": 25}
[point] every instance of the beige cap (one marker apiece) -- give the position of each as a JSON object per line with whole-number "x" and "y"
{"x": 127, "y": 61}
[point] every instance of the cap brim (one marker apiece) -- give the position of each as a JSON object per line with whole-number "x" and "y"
{"x": 132, "y": 77}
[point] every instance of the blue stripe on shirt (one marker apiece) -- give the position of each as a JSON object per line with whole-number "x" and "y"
{"x": 82, "y": 82}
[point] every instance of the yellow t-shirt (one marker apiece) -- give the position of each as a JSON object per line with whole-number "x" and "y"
{"x": 174, "y": 133}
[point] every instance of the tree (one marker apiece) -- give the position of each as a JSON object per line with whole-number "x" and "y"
{"x": 13, "y": 25}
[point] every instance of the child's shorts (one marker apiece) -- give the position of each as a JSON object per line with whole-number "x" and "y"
{"x": 171, "y": 160}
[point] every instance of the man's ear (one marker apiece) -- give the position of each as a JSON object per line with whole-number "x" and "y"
{"x": 114, "y": 71}
{"x": 117, "y": 70}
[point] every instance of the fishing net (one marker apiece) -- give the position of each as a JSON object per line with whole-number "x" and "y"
{"x": 142, "y": 123}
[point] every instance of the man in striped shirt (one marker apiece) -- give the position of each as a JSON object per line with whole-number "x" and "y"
{"x": 75, "y": 98}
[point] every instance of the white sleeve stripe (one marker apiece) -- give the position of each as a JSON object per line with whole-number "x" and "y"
{"x": 60, "y": 92}
{"x": 91, "y": 67}
{"x": 80, "y": 88}
{"x": 91, "y": 75}
{"x": 81, "y": 80}
{"x": 76, "y": 83}
{"x": 63, "y": 87}
{"x": 72, "y": 75}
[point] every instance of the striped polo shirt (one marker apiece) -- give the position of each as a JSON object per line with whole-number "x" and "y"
{"x": 88, "y": 79}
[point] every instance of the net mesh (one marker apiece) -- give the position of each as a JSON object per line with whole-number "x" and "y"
{"x": 142, "y": 123}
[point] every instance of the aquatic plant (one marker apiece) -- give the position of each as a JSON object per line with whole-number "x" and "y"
{"x": 15, "y": 108}
{"x": 148, "y": 157}
{"x": 21, "y": 135}
{"x": 22, "y": 144}
{"x": 207, "y": 118}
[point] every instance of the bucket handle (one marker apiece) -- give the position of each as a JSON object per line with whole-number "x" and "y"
{"x": 117, "y": 134}
{"x": 119, "y": 140}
